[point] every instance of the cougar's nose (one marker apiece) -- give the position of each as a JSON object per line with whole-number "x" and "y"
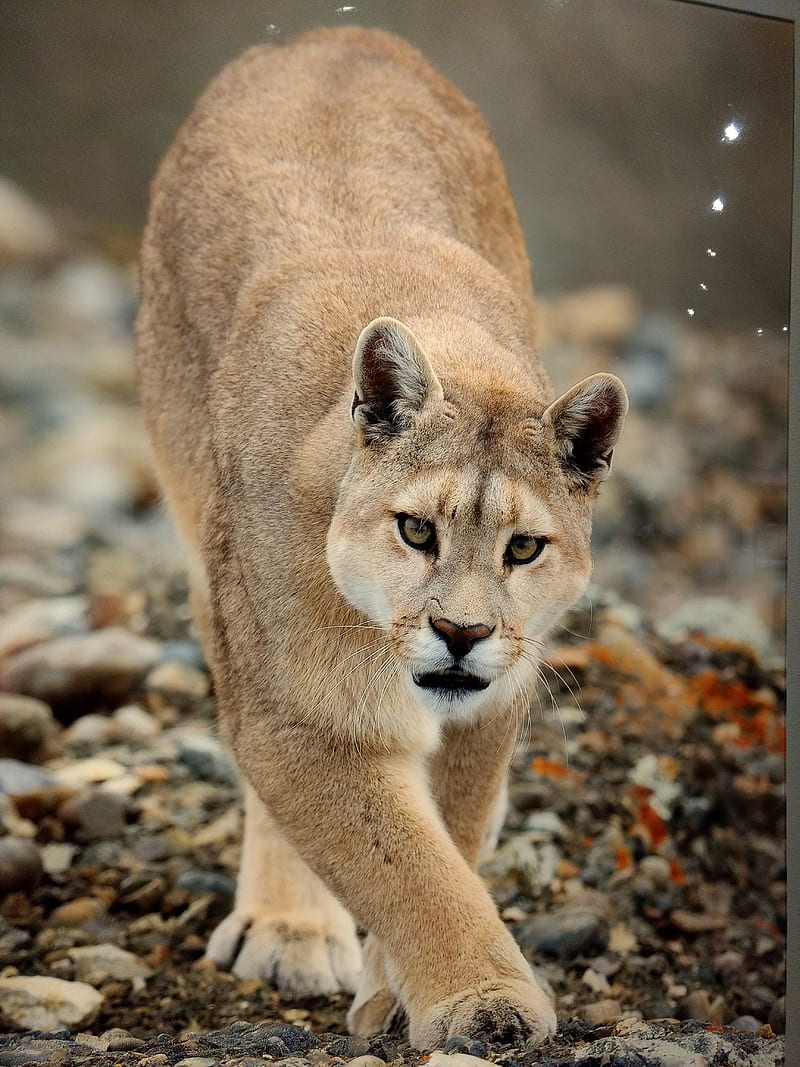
{"x": 459, "y": 639}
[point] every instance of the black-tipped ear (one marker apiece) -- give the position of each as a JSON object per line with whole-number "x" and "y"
{"x": 587, "y": 421}
{"x": 393, "y": 379}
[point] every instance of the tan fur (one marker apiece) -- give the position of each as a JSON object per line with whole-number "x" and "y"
{"x": 337, "y": 328}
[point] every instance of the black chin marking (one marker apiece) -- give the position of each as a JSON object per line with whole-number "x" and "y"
{"x": 453, "y": 681}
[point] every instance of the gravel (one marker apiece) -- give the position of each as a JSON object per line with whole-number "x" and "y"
{"x": 642, "y": 866}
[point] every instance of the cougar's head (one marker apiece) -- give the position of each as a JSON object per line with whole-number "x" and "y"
{"x": 463, "y": 524}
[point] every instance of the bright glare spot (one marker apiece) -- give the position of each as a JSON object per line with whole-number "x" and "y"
{"x": 759, "y": 331}
{"x": 704, "y": 287}
{"x": 272, "y": 30}
{"x": 785, "y": 329}
{"x": 731, "y": 132}
{"x": 346, "y": 9}
{"x": 710, "y": 252}
{"x": 718, "y": 205}
{"x": 690, "y": 311}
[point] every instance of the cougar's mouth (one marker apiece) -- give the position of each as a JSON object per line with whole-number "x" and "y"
{"x": 452, "y": 679}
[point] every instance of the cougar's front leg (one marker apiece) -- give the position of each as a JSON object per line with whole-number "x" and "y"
{"x": 286, "y": 927}
{"x": 467, "y": 777}
{"x": 366, "y": 822}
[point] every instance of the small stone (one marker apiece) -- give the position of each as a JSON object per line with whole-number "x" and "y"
{"x": 366, "y": 1061}
{"x": 88, "y": 772}
{"x": 456, "y": 1043}
{"x": 132, "y": 723}
{"x": 206, "y": 759}
{"x": 566, "y": 932}
{"x": 747, "y": 1022}
{"x": 18, "y": 778}
{"x": 40, "y": 1003}
{"x": 41, "y": 619}
{"x": 89, "y": 731}
{"x": 76, "y": 912}
{"x": 454, "y": 1059}
{"x": 28, "y": 730}
{"x": 20, "y": 865}
{"x": 178, "y": 682}
{"x": 57, "y": 856}
{"x": 602, "y": 1011}
{"x": 120, "y": 1040}
{"x": 197, "y": 882}
{"x": 97, "y": 963}
{"x": 81, "y": 671}
{"x": 198, "y": 1061}
{"x": 100, "y": 814}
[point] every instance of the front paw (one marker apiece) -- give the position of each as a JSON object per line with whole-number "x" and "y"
{"x": 302, "y": 955}
{"x": 510, "y": 1013}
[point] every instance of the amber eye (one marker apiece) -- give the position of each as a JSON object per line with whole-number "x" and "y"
{"x": 419, "y": 533}
{"x": 523, "y": 549}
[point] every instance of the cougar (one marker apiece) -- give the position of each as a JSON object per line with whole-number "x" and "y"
{"x": 385, "y": 510}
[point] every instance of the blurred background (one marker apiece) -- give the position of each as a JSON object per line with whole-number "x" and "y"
{"x": 649, "y": 147}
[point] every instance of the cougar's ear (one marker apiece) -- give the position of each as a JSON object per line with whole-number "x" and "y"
{"x": 393, "y": 379}
{"x": 587, "y": 421}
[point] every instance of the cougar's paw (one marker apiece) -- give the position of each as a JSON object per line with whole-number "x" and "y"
{"x": 299, "y": 954}
{"x": 509, "y": 1014}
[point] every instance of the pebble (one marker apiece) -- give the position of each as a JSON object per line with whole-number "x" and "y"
{"x": 100, "y": 814}
{"x": 454, "y": 1059}
{"x": 602, "y": 1011}
{"x": 120, "y": 1040}
{"x": 88, "y": 772}
{"x": 565, "y": 932}
{"x": 42, "y": 619}
{"x": 747, "y": 1022}
{"x": 81, "y": 671}
{"x": 18, "y": 778}
{"x": 28, "y": 730}
{"x": 97, "y": 963}
{"x": 11, "y": 821}
{"x": 39, "y": 1003}
{"x": 20, "y": 865}
{"x": 179, "y": 683}
{"x": 206, "y": 758}
{"x": 76, "y": 912}
{"x": 132, "y": 723}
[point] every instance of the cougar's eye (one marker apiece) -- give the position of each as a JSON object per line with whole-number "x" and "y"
{"x": 419, "y": 533}
{"x": 523, "y": 549}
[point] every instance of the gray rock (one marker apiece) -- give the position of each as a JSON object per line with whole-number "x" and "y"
{"x": 28, "y": 730}
{"x": 20, "y": 865}
{"x": 206, "y": 758}
{"x": 18, "y": 778}
{"x": 99, "y": 813}
{"x": 96, "y": 963}
{"x": 566, "y": 932}
{"x": 39, "y": 1003}
{"x": 81, "y": 671}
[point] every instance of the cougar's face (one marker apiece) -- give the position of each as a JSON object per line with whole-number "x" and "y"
{"x": 466, "y": 567}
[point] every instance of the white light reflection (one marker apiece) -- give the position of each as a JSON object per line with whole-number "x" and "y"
{"x": 731, "y": 132}
{"x": 704, "y": 287}
{"x": 346, "y": 9}
{"x": 759, "y": 331}
{"x": 710, "y": 252}
{"x": 690, "y": 312}
{"x": 785, "y": 329}
{"x": 718, "y": 204}
{"x": 271, "y": 30}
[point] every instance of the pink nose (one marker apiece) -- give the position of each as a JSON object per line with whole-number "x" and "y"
{"x": 460, "y": 639}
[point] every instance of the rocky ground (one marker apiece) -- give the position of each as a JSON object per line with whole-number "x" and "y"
{"x": 642, "y": 868}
